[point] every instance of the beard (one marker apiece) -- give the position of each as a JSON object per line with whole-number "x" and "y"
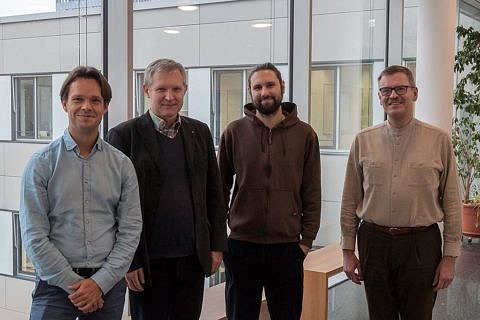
{"x": 266, "y": 108}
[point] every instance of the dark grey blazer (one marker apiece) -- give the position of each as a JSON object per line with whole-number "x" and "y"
{"x": 136, "y": 138}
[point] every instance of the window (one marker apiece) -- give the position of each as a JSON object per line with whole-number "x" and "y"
{"x": 23, "y": 266}
{"x": 218, "y": 277}
{"x": 33, "y": 107}
{"x": 142, "y": 102}
{"x": 230, "y": 95}
{"x": 343, "y": 73}
{"x": 341, "y": 103}
{"x": 412, "y": 65}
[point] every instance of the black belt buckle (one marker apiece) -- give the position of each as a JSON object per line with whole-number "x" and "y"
{"x": 85, "y": 272}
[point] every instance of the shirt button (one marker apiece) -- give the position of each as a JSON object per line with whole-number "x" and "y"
{"x": 87, "y": 221}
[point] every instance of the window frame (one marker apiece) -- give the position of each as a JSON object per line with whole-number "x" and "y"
{"x": 16, "y": 106}
{"x": 215, "y": 110}
{"x": 337, "y": 68}
{"x": 19, "y": 251}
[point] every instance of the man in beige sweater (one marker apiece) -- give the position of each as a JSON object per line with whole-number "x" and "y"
{"x": 401, "y": 180}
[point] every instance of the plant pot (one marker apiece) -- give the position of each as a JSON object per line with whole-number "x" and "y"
{"x": 471, "y": 221}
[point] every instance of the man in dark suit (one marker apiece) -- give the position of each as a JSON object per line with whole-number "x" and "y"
{"x": 184, "y": 230}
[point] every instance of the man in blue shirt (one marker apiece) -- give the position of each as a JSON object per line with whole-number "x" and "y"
{"x": 80, "y": 212}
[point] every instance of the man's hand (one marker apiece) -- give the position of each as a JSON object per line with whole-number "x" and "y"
{"x": 135, "y": 280}
{"x": 351, "y": 266}
{"x": 217, "y": 257}
{"x": 87, "y": 295}
{"x": 444, "y": 273}
{"x": 304, "y": 248}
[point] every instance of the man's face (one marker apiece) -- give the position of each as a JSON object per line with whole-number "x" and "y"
{"x": 266, "y": 91}
{"x": 399, "y": 108}
{"x": 166, "y": 93}
{"x": 85, "y": 106}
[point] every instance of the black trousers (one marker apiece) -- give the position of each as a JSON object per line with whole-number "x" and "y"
{"x": 251, "y": 267}
{"x": 399, "y": 272}
{"x": 176, "y": 292}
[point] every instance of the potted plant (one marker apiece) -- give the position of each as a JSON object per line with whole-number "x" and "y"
{"x": 466, "y": 126}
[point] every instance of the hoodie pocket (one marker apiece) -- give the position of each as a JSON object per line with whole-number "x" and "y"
{"x": 247, "y": 213}
{"x": 284, "y": 217}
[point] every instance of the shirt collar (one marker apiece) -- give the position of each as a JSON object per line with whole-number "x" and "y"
{"x": 71, "y": 144}
{"x": 160, "y": 124}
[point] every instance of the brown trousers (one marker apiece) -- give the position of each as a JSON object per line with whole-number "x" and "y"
{"x": 398, "y": 272}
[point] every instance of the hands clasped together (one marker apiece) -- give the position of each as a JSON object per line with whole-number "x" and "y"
{"x": 87, "y": 296}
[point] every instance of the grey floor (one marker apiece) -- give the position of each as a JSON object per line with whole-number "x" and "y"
{"x": 461, "y": 301}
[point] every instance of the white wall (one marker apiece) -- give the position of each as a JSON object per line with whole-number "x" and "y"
{"x": 333, "y": 175}
{"x": 215, "y": 35}
{"x": 15, "y": 298}
{"x": 50, "y": 45}
{"x": 13, "y": 157}
{"x": 5, "y": 107}
{"x": 199, "y": 98}
{"x": 6, "y": 239}
{"x": 59, "y": 116}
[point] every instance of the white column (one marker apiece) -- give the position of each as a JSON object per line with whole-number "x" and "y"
{"x": 436, "y": 36}
{"x": 394, "y": 21}
{"x": 120, "y": 60}
{"x": 301, "y": 63}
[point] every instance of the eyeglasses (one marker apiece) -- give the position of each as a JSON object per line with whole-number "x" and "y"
{"x": 400, "y": 90}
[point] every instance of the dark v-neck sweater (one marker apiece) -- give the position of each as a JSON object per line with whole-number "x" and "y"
{"x": 173, "y": 234}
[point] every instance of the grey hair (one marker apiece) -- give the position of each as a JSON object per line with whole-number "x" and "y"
{"x": 163, "y": 65}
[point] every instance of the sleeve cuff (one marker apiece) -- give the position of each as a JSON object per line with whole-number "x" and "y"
{"x": 348, "y": 243}
{"x": 451, "y": 249}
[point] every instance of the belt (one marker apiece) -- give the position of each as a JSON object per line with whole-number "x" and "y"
{"x": 85, "y": 272}
{"x": 395, "y": 231}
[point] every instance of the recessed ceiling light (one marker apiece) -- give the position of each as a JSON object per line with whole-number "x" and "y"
{"x": 188, "y": 8}
{"x": 261, "y": 25}
{"x": 171, "y": 31}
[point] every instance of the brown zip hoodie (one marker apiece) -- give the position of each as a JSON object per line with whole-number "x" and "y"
{"x": 275, "y": 175}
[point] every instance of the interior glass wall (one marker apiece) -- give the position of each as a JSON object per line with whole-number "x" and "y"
{"x": 40, "y": 43}
{"x": 348, "y": 46}
{"x": 409, "y": 46}
{"x": 217, "y": 41}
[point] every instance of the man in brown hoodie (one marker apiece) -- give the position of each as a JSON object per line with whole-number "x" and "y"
{"x": 274, "y": 212}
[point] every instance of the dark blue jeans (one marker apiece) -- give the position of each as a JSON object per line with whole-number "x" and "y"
{"x": 52, "y": 303}
{"x": 250, "y": 267}
{"x": 176, "y": 292}
{"x": 398, "y": 272}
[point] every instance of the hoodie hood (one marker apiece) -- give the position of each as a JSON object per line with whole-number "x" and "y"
{"x": 289, "y": 110}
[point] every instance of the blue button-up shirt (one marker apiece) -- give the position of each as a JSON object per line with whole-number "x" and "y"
{"x": 80, "y": 212}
